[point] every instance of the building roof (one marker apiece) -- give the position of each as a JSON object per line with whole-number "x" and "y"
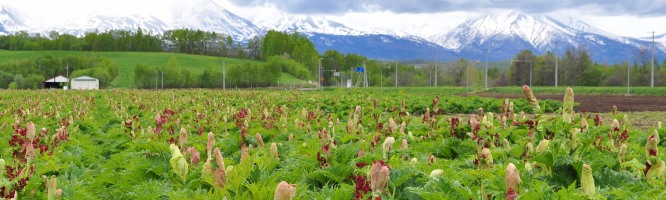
{"x": 58, "y": 79}
{"x": 84, "y": 78}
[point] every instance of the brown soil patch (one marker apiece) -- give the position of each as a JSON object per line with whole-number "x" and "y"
{"x": 599, "y": 103}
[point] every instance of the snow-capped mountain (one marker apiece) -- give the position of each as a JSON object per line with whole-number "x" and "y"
{"x": 535, "y": 31}
{"x": 210, "y": 16}
{"x": 201, "y": 15}
{"x": 306, "y": 24}
{"x": 103, "y": 22}
{"x": 11, "y": 20}
{"x": 506, "y": 34}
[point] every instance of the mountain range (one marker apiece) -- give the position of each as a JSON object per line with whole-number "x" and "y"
{"x": 500, "y": 36}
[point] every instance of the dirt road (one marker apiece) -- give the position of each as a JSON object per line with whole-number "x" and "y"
{"x": 598, "y": 103}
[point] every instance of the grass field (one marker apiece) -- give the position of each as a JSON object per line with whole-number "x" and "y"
{"x": 128, "y": 60}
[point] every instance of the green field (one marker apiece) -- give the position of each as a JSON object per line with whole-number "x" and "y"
{"x": 128, "y": 60}
{"x": 150, "y": 144}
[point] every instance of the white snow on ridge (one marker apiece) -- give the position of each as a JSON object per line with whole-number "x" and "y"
{"x": 12, "y": 20}
{"x": 306, "y": 24}
{"x": 101, "y": 23}
{"x": 536, "y": 30}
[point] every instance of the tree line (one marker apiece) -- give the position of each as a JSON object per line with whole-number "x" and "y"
{"x": 575, "y": 68}
{"x": 187, "y": 41}
{"x": 31, "y": 73}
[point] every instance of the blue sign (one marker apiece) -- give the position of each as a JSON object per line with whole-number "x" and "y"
{"x": 360, "y": 69}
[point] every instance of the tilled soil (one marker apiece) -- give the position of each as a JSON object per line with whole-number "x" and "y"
{"x": 599, "y": 103}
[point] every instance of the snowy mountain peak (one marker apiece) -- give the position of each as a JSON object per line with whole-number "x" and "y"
{"x": 198, "y": 14}
{"x": 210, "y": 16}
{"x": 534, "y": 31}
{"x": 306, "y": 24}
{"x": 11, "y": 20}
{"x": 511, "y": 32}
{"x": 106, "y": 22}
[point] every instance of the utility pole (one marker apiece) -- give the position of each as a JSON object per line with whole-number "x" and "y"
{"x": 556, "y": 69}
{"x": 466, "y": 77}
{"x": 162, "y": 79}
{"x": 486, "y": 67}
{"x": 319, "y": 76}
{"x": 381, "y": 82}
{"x": 436, "y": 68}
{"x": 628, "y": 79}
{"x": 652, "y": 61}
{"x": 224, "y": 75}
{"x": 67, "y": 67}
{"x": 350, "y": 82}
{"x": 365, "y": 74}
{"x": 396, "y": 73}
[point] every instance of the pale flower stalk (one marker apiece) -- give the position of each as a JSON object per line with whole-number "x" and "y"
{"x": 219, "y": 174}
{"x": 379, "y": 175}
{"x": 392, "y": 125}
{"x": 587, "y": 181}
{"x": 182, "y": 137}
{"x": 209, "y": 145}
{"x": 387, "y": 146}
{"x": 51, "y": 187}
{"x": 31, "y": 131}
{"x": 285, "y": 191}
{"x": 583, "y": 124}
{"x": 567, "y": 105}
{"x": 543, "y": 145}
{"x": 512, "y": 182}
{"x": 487, "y": 158}
{"x": 436, "y": 173}
{"x": 622, "y": 153}
{"x": 404, "y": 145}
{"x": 531, "y": 99}
{"x": 615, "y": 125}
{"x": 260, "y": 140}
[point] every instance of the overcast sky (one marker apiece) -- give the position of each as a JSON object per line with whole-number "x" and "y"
{"x": 633, "y": 18}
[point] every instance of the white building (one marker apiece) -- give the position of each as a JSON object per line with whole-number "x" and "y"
{"x": 57, "y": 82}
{"x": 85, "y": 83}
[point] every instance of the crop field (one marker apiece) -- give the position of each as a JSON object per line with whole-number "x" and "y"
{"x": 335, "y": 144}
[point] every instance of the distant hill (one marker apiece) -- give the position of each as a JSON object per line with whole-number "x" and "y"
{"x": 128, "y": 60}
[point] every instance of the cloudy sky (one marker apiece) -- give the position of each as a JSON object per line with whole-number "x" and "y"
{"x": 633, "y": 18}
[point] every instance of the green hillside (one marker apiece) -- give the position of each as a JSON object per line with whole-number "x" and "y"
{"x": 128, "y": 60}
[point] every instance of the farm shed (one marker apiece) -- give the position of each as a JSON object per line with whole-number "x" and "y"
{"x": 58, "y": 82}
{"x": 85, "y": 83}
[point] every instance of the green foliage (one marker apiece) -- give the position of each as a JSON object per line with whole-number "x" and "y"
{"x": 289, "y": 66}
{"x": 121, "y": 142}
{"x": 293, "y": 45}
